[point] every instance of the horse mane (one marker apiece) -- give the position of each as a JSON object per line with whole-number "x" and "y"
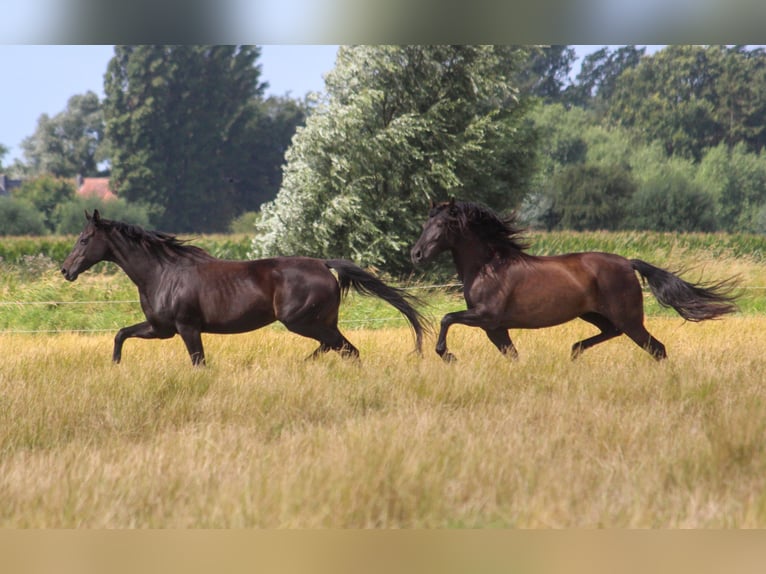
{"x": 501, "y": 233}
{"x": 161, "y": 245}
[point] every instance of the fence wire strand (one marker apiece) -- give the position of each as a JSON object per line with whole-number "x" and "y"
{"x": 135, "y": 301}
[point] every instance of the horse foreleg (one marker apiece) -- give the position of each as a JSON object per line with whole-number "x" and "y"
{"x": 143, "y": 330}
{"x": 503, "y": 342}
{"x": 468, "y": 317}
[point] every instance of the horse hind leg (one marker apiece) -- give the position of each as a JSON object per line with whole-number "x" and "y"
{"x": 608, "y": 331}
{"x": 330, "y": 339}
{"x": 646, "y": 341}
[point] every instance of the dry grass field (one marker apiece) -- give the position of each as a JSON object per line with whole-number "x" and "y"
{"x": 261, "y": 438}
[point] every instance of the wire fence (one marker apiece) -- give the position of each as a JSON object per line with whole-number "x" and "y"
{"x": 369, "y": 320}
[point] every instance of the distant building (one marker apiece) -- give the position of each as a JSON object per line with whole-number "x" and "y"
{"x": 7, "y": 184}
{"x": 94, "y": 187}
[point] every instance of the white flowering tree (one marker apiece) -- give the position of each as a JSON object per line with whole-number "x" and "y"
{"x": 398, "y": 126}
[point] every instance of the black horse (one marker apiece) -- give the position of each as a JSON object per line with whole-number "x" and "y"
{"x": 185, "y": 290}
{"x": 505, "y": 287}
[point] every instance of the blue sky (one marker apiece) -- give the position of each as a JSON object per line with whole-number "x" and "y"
{"x": 39, "y": 79}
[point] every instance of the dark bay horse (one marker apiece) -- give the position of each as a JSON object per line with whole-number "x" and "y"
{"x": 185, "y": 290}
{"x": 505, "y": 287}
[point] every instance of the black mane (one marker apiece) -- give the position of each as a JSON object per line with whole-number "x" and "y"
{"x": 163, "y": 246}
{"x": 502, "y": 233}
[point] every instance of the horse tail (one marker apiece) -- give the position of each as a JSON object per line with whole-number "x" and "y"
{"x": 350, "y": 275}
{"x": 693, "y": 301}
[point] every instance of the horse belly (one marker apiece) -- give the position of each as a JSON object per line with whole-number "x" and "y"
{"x": 234, "y": 304}
{"x": 540, "y": 309}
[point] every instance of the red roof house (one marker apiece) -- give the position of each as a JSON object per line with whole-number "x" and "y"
{"x": 95, "y": 187}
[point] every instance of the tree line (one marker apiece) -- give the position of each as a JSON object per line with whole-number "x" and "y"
{"x": 670, "y": 140}
{"x": 184, "y": 133}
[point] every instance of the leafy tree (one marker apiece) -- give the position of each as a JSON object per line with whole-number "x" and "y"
{"x": 20, "y": 217}
{"x": 591, "y": 197}
{"x": 736, "y": 180}
{"x": 400, "y": 125}
{"x": 69, "y": 216}
{"x": 255, "y": 170}
{"x": 669, "y": 198}
{"x": 69, "y": 143}
{"x": 546, "y": 73}
{"x": 693, "y": 97}
{"x": 175, "y": 117}
{"x": 45, "y": 193}
{"x": 595, "y": 83}
{"x": 3, "y": 152}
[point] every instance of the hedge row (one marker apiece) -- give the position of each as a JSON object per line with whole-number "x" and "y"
{"x": 14, "y": 250}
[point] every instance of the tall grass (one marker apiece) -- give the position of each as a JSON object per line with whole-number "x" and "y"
{"x": 261, "y": 438}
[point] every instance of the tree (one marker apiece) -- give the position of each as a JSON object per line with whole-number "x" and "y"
{"x": 69, "y": 143}
{"x": 20, "y": 217}
{"x": 546, "y": 73}
{"x": 669, "y": 199}
{"x": 45, "y": 193}
{"x": 255, "y": 168}
{"x": 694, "y": 97}
{"x": 736, "y": 180}
{"x": 175, "y": 117}
{"x": 399, "y": 126}
{"x": 591, "y": 197}
{"x": 595, "y": 83}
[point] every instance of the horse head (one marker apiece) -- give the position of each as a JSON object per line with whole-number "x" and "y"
{"x": 90, "y": 248}
{"x": 439, "y": 232}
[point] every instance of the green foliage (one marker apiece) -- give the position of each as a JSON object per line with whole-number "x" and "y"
{"x": 20, "y": 217}
{"x": 736, "y": 179}
{"x": 245, "y": 223}
{"x": 45, "y": 193}
{"x": 69, "y": 143}
{"x": 669, "y": 199}
{"x": 400, "y": 125}
{"x": 70, "y": 219}
{"x": 599, "y": 73}
{"x": 176, "y": 117}
{"x": 591, "y": 197}
{"x": 694, "y": 97}
{"x": 254, "y": 169}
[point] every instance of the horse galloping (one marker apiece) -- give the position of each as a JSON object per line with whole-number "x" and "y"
{"x": 505, "y": 287}
{"x": 185, "y": 290}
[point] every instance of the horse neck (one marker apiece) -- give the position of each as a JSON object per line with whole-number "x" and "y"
{"x": 470, "y": 255}
{"x": 137, "y": 263}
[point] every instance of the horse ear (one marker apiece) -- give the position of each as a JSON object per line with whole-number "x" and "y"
{"x": 87, "y": 215}
{"x": 96, "y": 217}
{"x": 432, "y": 202}
{"x": 451, "y": 206}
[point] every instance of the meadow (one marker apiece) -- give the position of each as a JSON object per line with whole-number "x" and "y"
{"x": 262, "y": 438}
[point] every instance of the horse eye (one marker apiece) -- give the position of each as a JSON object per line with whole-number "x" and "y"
{"x": 84, "y": 241}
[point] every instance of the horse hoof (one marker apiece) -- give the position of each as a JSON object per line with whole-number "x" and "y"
{"x": 449, "y": 358}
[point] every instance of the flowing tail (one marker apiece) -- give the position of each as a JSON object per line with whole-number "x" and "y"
{"x": 693, "y": 301}
{"x": 350, "y": 275}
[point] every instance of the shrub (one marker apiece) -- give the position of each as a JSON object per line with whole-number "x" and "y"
{"x": 19, "y": 217}
{"x": 69, "y": 216}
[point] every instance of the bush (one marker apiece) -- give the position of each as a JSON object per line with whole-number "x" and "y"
{"x": 591, "y": 196}
{"x": 672, "y": 204}
{"x": 245, "y": 223}
{"x": 19, "y": 217}
{"x": 70, "y": 216}
{"x": 46, "y": 193}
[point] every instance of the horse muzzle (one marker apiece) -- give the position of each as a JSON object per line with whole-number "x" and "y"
{"x": 68, "y": 275}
